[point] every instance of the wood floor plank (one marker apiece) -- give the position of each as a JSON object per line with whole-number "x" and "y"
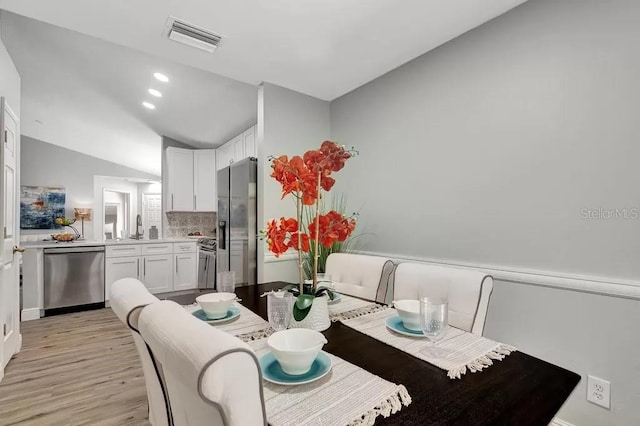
{"x": 76, "y": 369}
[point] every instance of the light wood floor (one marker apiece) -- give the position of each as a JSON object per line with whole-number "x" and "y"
{"x": 75, "y": 369}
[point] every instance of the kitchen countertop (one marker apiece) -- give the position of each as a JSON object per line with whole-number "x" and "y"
{"x": 88, "y": 243}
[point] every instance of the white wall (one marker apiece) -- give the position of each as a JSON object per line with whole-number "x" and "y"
{"x": 288, "y": 123}
{"x": 9, "y": 78}
{"x": 44, "y": 164}
{"x": 485, "y": 150}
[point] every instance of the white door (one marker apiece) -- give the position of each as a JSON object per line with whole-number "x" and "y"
{"x": 152, "y": 212}
{"x": 120, "y": 267}
{"x": 204, "y": 180}
{"x": 157, "y": 273}
{"x": 185, "y": 272}
{"x": 11, "y": 340}
{"x": 180, "y": 179}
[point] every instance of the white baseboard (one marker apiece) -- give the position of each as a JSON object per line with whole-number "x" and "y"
{"x": 30, "y": 314}
{"x": 627, "y": 289}
{"x": 559, "y": 422}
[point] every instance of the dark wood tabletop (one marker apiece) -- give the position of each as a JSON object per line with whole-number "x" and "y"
{"x": 519, "y": 390}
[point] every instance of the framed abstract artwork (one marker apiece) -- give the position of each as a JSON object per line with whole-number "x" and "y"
{"x": 40, "y": 205}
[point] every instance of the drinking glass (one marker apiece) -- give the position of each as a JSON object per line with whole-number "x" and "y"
{"x": 325, "y": 281}
{"x": 279, "y": 307}
{"x": 434, "y": 317}
{"x": 226, "y": 282}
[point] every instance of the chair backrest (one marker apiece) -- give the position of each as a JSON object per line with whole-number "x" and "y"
{"x": 468, "y": 291}
{"x": 213, "y": 378}
{"x": 127, "y": 298}
{"x": 360, "y": 275}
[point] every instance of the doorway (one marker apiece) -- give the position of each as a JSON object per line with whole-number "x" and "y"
{"x": 152, "y": 211}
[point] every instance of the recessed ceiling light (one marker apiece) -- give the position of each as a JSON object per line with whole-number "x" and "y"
{"x": 149, "y": 105}
{"x": 155, "y": 93}
{"x": 161, "y": 77}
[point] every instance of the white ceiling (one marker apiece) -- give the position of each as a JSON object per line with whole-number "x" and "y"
{"x": 324, "y": 48}
{"x": 87, "y": 93}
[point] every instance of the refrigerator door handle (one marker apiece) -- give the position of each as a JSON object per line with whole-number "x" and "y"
{"x": 222, "y": 244}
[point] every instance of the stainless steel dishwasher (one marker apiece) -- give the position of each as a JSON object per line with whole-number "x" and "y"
{"x": 73, "y": 278}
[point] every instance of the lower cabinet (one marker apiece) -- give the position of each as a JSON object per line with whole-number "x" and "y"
{"x": 157, "y": 273}
{"x": 120, "y": 267}
{"x": 185, "y": 273}
{"x": 160, "y": 273}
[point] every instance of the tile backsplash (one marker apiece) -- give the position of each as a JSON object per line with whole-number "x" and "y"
{"x": 182, "y": 223}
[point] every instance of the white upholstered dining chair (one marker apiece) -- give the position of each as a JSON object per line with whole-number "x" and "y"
{"x": 127, "y": 297}
{"x": 360, "y": 275}
{"x": 212, "y": 377}
{"x": 468, "y": 291}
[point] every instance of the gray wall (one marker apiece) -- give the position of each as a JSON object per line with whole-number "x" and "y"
{"x": 45, "y": 164}
{"x": 501, "y": 137}
{"x": 288, "y": 123}
{"x": 9, "y": 78}
{"x": 485, "y": 150}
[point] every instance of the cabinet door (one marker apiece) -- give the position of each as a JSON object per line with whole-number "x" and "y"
{"x": 249, "y": 141}
{"x": 157, "y": 273}
{"x": 120, "y": 267}
{"x": 224, "y": 155}
{"x": 180, "y": 179}
{"x": 185, "y": 272}
{"x": 238, "y": 148}
{"x": 204, "y": 180}
{"x": 237, "y": 260}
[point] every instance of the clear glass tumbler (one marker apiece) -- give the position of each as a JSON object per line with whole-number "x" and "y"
{"x": 434, "y": 318}
{"x": 226, "y": 282}
{"x": 279, "y": 309}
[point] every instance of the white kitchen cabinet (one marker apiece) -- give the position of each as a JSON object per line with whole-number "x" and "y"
{"x": 179, "y": 180}
{"x": 117, "y": 268}
{"x": 238, "y": 148}
{"x": 157, "y": 273}
{"x": 162, "y": 266}
{"x": 249, "y": 142}
{"x": 185, "y": 273}
{"x": 224, "y": 155}
{"x": 204, "y": 180}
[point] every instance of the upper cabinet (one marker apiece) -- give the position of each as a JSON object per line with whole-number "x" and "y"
{"x": 241, "y": 147}
{"x": 191, "y": 180}
{"x": 204, "y": 180}
{"x": 179, "y": 180}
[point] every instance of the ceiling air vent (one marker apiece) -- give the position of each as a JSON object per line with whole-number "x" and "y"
{"x": 191, "y": 35}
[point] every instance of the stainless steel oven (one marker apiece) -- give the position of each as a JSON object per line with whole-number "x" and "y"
{"x": 206, "y": 263}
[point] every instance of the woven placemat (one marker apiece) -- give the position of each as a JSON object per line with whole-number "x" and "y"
{"x": 458, "y": 352}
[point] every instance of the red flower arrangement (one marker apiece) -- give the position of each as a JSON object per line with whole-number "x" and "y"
{"x": 305, "y": 177}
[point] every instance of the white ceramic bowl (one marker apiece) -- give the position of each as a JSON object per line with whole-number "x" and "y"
{"x": 296, "y": 349}
{"x": 216, "y": 305}
{"x": 409, "y": 312}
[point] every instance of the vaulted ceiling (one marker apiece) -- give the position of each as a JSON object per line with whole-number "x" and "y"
{"x": 321, "y": 48}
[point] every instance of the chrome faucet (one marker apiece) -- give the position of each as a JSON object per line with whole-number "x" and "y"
{"x": 138, "y": 225}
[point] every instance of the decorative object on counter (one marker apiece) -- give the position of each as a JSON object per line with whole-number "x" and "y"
{"x": 40, "y": 206}
{"x": 82, "y": 214}
{"x": 65, "y": 236}
{"x": 153, "y": 233}
{"x": 305, "y": 177}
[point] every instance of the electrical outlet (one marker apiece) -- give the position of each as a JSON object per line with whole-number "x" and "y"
{"x": 599, "y": 391}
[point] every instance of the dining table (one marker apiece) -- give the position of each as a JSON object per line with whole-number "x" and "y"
{"x": 518, "y": 390}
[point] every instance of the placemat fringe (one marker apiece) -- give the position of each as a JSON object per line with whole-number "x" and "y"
{"x": 478, "y": 364}
{"x": 355, "y": 313}
{"x": 391, "y": 405}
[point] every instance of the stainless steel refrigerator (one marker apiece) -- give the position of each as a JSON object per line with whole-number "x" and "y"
{"x": 237, "y": 221}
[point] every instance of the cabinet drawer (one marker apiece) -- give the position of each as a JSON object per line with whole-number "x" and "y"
{"x": 184, "y": 247}
{"x": 151, "y": 249}
{"x": 123, "y": 250}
